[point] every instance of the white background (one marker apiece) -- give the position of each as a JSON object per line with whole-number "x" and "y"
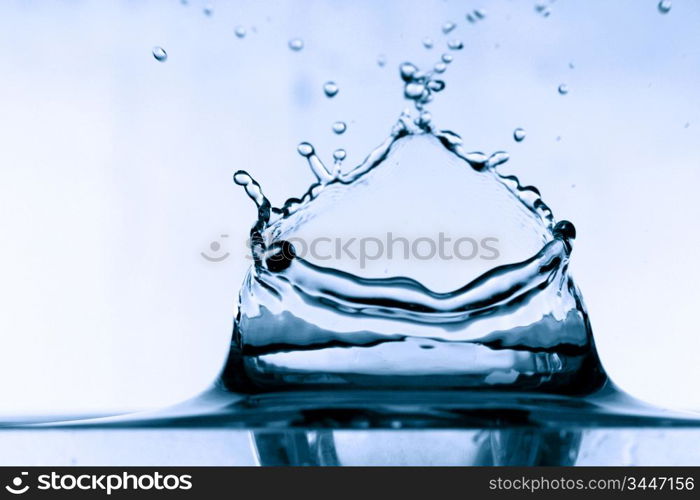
{"x": 115, "y": 169}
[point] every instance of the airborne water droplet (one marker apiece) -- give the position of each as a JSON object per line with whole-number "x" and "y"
{"x": 381, "y": 61}
{"x": 440, "y": 67}
{"x": 448, "y": 26}
{"x": 208, "y": 10}
{"x": 339, "y": 155}
{"x": 339, "y": 127}
{"x": 563, "y": 89}
{"x": 407, "y": 71}
{"x": 519, "y": 134}
{"x": 480, "y": 13}
{"x": 330, "y": 89}
{"x": 240, "y": 31}
{"x": 447, "y": 58}
{"x": 428, "y": 43}
{"x": 296, "y": 44}
{"x": 436, "y": 85}
{"x": 664, "y": 6}
{"x": 455, "y": 44}
{"x": 160, "y": 54}
{"x": 542, "y": 9}
{"x": 305, "y": 149}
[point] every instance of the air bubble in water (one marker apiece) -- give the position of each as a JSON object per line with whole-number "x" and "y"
{"x": 563, "y": 89}
{"x": 664, "y": 6}
{"x": 519, "y": 134}
{"x": 330, "y": 89}
{"x": 428, "y": 43}
{"x": 455, "y": 44}
{"x": 296, "y": 44}
{"x": 160, "y": 54}
{"x": 240, "y": 31}
{"x": 448, "y": 26}
{"x": 339, "y": 127}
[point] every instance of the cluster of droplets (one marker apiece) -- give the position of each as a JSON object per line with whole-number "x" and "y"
{"x": 419, "y": 86}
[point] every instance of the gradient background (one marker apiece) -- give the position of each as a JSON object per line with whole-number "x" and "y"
{"x": 115, "y": 169}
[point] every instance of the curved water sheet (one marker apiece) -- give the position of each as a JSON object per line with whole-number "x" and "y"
{"x": 423, "y": 267}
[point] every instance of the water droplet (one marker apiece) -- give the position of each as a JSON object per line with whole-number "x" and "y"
{"x": 496, "y": 159}
{"x": 339, "y": 155}
{"x": 424, "y": 119}
{"x": 564, "y": 229}
{"x": 519, "y": 134}
{"x": 448, "y": 26}
{"x": 296, "y": 44}
{"x": 455, "y": 44}
{"x": 542, "y": 9}
{"x": 480, "y": 13}
{"x": 428, "y": 43}
{"x": 414, "y": 90}
{"x": 664, "y": 6}
{"x": 687, "y": 124}
{"x": 563, "y": 89}
{"x": 440, "y": 67}
{"x": 208, "y": 10}
{"x": 305, "y": 149}
{"x": 571, "y": 65}
{"x": 408, "y": 71}
{"x": 447, "y": 58}
{"x": 240, "y": 31}
{"x": 381, "y": 61}
{"x": 436, "y": 85}
{"x": 330, "y": 89}
{"x": 471, "y": 18}
{"x": 160, "y": 54}
{"x": 339, "y": 127}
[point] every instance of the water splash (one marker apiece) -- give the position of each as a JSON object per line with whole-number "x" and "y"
{"x": 160, "y": 54}
{"x": 510, "y": 318}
